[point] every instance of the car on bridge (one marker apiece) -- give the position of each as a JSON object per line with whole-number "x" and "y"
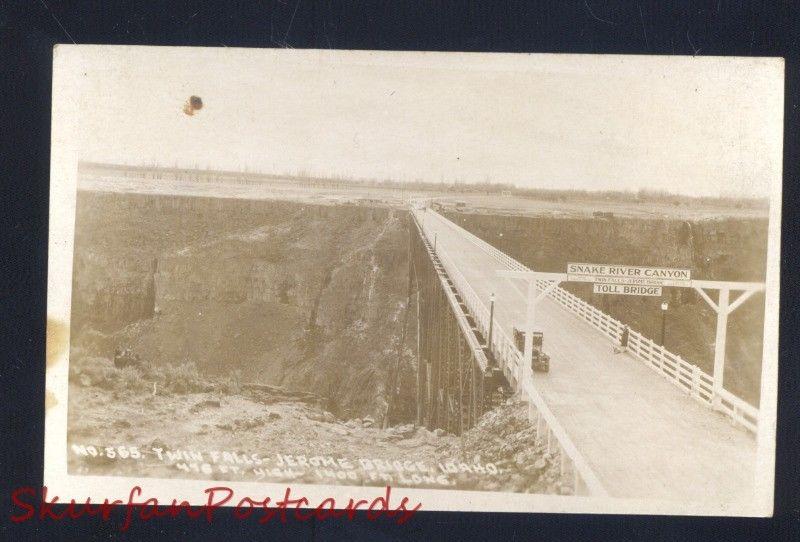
{"x": 541, "y": 361}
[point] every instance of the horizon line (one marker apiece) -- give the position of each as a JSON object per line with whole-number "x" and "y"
{"x": 300, "y": 174}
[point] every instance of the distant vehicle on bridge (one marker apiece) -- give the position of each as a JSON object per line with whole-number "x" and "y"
{"x": 541, "y": 361}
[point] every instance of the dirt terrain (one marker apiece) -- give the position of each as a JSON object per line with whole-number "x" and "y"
{"x": 309, "y": 297}
{"x": 174, "y": 423}
{"x": 468, "y": 197}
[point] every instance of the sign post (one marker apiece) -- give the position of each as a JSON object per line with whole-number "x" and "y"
{"x": 723, "y": 308}
{"x": 719, "y": 344}
{"x": 530, "y": 319}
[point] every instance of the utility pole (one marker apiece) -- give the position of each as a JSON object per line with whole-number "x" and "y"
{"x": 491, "y": 321}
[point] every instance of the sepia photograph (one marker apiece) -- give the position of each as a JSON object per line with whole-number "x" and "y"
{"x": 490, "y": 281}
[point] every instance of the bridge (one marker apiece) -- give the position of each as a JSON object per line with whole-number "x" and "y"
{"x": 639, "y": 424}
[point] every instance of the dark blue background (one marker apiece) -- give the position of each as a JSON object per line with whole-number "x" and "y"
{"x": 28, "y": 31}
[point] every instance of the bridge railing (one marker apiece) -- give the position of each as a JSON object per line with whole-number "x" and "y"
{"x": 548, "y": 429}
{"x": 688, "y": 377}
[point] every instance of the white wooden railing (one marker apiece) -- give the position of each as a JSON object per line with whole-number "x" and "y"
{"x": 548, "y": 430}
{"x": 688, "y": 377}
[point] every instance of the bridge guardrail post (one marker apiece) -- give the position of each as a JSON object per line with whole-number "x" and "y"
{"x": 539, "y": 426}
{"x": 660, "y": 358}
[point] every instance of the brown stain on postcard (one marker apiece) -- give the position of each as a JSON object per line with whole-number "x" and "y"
{"x": 49, "y": 400}
{"x": 57, "y": 339}
{"x": 57, "y": 344}
{"x": 194, "y": 103}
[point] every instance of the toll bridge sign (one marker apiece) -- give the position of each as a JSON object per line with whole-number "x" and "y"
{"x": 628, "y": 275}
{"x": 626, "y": 289}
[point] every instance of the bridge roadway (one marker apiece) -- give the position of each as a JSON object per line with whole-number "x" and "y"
{"x": 641, "y": 435}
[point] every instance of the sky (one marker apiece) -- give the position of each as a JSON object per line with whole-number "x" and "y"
{"x": 691, "y": 125}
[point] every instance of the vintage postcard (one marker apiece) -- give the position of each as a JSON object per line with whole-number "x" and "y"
{"x": 489, "y": 282}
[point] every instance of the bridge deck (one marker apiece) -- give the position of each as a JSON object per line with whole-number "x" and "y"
{"x": 641, "y": 435}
